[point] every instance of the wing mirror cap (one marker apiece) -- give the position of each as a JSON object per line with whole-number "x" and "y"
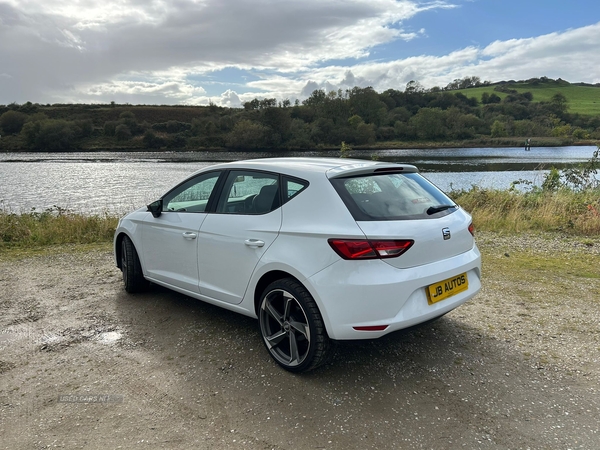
{"x": 156, "y": 208}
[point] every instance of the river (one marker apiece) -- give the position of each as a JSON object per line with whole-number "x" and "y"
{"x": 117, "y": 182}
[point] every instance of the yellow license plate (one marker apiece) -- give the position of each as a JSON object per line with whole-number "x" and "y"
{"x": 447, "y": 288}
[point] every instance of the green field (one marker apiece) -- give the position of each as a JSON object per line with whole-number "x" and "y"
{"x": 583, "y": 100}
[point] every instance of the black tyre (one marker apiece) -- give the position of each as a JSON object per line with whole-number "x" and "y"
{"x": 133, "y": 277}
{"x": 292, "y": 327}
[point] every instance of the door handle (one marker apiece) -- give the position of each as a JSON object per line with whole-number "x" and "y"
{"x": 189, "y": 235}
{"x": 254, "y": 243}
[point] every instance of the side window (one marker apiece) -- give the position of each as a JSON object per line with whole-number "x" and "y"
{"x": 193, "y": 195}
{"x": 249, "y": 192}
{"x": 293, "y": 186}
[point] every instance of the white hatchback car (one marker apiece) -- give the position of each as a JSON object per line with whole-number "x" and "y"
{"x": 316, "y": 249}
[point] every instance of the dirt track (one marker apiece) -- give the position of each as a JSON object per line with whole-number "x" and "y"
{"x": 518, "y": 367}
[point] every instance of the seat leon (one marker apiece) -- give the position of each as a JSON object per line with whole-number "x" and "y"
{"x": 316, "y": 249}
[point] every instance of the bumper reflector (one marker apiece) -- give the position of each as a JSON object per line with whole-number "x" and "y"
{"x": 372, "y": 328}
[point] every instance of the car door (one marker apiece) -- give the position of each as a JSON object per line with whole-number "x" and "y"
{"x": 234, "y": 238}
{"x": 170, "y": 241}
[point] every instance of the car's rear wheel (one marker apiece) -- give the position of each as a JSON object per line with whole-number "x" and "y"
{"x": 292, "y": 327}
{"x": 133, "y": 277}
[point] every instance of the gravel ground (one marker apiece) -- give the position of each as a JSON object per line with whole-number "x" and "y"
{"x": 84, "y": 365}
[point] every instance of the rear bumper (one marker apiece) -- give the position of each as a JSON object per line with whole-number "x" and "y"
{"x": 372, "y": 293}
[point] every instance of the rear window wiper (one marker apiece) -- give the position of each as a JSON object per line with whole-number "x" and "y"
{"x": 436, "y": 209}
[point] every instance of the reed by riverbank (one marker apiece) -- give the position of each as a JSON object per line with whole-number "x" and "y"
{"x": 575, "y": 213}
{"x": 54, "y": 226}
{"x": 511, "y": 212}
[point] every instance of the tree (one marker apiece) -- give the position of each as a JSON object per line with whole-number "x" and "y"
{"x": 12, "y": 122}
{"x": 559, "y": 103}
{"x": 252, "y": 105}
{"x": 247, "y": 134}
{"x": 316, "y": 99}
{"x": 487, "y": 98}
{"x": 110, "y": 127}
{"x": 151, "y": 140}
{"x": 414, "y": 87}
{"x": 365, "y": 133}
{"x": 279, "y": 120}
{"x": 267, "y": 103}
{"x": 464, "y": 83}
{"x": 499, "y": 129}
{"x": 367, "y": 104}
{"x": 355, "y": 121}
{"x": 430, "y": 123}
{"x": 299, "y": 135}
{"x": 122, "y": 132}
{"x": 49, "y": 134}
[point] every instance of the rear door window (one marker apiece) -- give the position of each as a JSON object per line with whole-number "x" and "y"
{"x": 392, "y": 196}
{"x": 249, "y": 192}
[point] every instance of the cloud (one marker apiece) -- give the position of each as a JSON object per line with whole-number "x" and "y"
{"x": 166, "y": 52}
{"x": 571, "y": 55}
{"x": 231, "y": 99}
{"x": 55, "y": 47}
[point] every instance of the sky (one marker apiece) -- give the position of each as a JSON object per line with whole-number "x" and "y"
{"x": 227, "y": 52}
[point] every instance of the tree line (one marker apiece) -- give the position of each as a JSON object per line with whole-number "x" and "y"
{"x": 357, "y": 116}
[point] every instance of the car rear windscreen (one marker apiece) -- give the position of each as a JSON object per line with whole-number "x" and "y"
{"x": 392, "y": 196}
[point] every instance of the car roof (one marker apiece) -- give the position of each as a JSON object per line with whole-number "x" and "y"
{"x": 332, "y": 167}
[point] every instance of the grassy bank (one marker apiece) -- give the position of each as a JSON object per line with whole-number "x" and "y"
{"x": 571, "y": 212}
{"x": 509, "y": 211}
{"x": 54, "y": 226}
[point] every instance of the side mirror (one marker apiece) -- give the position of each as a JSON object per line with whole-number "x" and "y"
{"x": 156, "y": 208}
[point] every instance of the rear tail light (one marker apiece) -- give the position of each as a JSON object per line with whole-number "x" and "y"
{"x": 370, "y": 249}
{"x": 472, "y": 229}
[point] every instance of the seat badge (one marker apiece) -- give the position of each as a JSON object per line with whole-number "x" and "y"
{"x": 446, "y": 233}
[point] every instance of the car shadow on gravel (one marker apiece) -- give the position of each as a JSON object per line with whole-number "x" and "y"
{"x": 161, "y": 316}
{"x": 470, "y": 387}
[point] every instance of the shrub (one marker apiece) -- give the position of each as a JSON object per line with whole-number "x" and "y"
{"x": 12, "y": 122}
{"x": 49, "y": 134}
{"x": 247, "y": 134}
{"x": 110, "y": 127}
{"x": 122, "y": 132}
{"x": 151, "y": 140}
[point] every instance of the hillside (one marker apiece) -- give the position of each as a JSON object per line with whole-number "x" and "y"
{"x": 581, "y": 98}
{"x": 501, "y": 114}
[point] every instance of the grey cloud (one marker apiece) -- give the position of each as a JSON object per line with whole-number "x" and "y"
{"x": 146, "y": 51}
{"x": 49, "y": 53}
{"x": 310, "y": 87}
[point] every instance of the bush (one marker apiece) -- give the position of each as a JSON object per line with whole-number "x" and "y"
{"x": 110, "y": 127}
{"x": 498, "y": 129}
{"x": 12, "y": 122}
{"x": 176, "y": 141}
{"x": 151, "y": 140}
{"x": 122, "y": 132}
{"x": 172, "y": 126}
{"x": 50, "y": 135}
{"x": 84, "y": 127}
{"x": 247, "y": 134}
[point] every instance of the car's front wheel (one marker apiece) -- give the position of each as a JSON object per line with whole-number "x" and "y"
{"x": 133, "y": 277}
{"x": 292, "y": 327}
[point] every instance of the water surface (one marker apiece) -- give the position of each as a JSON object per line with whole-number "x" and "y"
{"x": 117, "y": 182}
